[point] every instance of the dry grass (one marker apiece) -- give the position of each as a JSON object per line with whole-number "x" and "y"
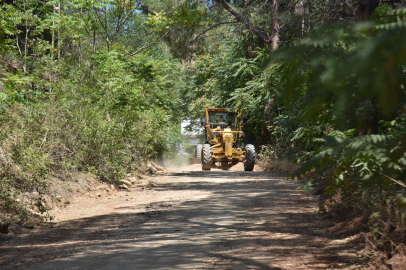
{"x": 283, "y": 166}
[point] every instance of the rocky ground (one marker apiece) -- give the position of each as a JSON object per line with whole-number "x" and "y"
{"x": 189, "y": 219}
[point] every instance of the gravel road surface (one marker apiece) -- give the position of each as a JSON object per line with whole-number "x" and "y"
{"x": 187, "y": 219}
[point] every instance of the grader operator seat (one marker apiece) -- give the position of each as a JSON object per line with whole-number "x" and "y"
{"x": 221, "y": 120}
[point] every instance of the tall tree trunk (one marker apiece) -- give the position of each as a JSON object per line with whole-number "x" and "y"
{"x": 94, "y": 33}
{"x": 369, "y": 124}
{"x": 274, "y": 40}
{"x": 366, "y": 8}
{"x": 266, "y": 134}
{"x": 368, "y": 119}
{"x": 26, "y": 40}
{"x": 53, "y": 38}
{"x": 299, "y": 11}
{"x": 59, "y": 31}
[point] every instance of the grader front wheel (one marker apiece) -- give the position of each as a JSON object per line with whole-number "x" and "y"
{"x": 206, "y": 157}
{"x": 198, "y": 151}
{"x": 249, "y": 157}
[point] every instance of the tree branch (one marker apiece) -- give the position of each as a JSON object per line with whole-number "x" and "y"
{"x": 207, "y": 30}
{"x": 121, "y": 24}
{"x": 245, "y": 22}
{"x": 105, "y": 27}
{"x": 394, "y": 180}
{"x": 146, "y": 46}
{"x": 349, "y": 8}
{"x": 101, "y": 23}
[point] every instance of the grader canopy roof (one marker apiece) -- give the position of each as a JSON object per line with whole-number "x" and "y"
{"x": 222, "y": 118}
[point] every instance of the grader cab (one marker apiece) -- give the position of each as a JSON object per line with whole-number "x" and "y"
{"x": 223, "y": 130}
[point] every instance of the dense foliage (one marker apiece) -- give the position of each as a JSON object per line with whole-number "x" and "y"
{"x": 77, "y": 96}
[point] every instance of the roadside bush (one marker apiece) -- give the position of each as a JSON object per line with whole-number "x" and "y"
{"x": 109, "y": 123}
{"x": 350, "y": 82}
{"x": 23, "y": 163}
{"x": 363, "y": 174}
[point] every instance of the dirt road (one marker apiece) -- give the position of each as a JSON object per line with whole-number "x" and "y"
{"x": 189, "y": 219}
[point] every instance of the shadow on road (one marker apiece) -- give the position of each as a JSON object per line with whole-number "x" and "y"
{"x": 246, "y": 220}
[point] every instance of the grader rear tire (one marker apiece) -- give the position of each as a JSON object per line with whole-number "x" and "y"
{"x": 206, "y": 157}
{"x": 198, "y": 150}
{"x": 249, "y": 157}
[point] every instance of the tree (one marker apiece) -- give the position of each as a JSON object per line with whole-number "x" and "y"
{"x": 272, "y": 38}
{"x": 366, "y": 8}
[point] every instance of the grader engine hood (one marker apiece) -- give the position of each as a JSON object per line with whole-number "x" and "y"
{"x": 228, "y": 142}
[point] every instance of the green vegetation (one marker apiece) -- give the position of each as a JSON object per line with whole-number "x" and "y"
{"x": 102, "y": 86}
{"x": 87, "y": 103}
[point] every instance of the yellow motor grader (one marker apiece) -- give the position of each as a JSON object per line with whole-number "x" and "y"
{"x": 223, "y": 130}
